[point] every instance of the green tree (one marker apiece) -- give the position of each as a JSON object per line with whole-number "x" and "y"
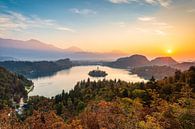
{"x": 152, "y": 79}
{"x": 177, "y": 75}
{"x": 70, "y": 103}
{"x": 59, "y": 107}
{"x": 80, "y": 106}
{"x": 125, "y": 93}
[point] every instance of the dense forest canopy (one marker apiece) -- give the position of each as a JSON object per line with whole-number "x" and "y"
{"x": 159, "y": 72}
{"x": 97, "y": 73}
{"x": 37, "y": 68}
{"x": 158, "y": 104}
{"x": 12, "y": 87}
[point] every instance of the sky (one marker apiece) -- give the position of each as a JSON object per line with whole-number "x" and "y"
{"x": 150, "y": 27}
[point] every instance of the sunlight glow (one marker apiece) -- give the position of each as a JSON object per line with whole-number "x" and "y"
{"x": 169, "y": 51}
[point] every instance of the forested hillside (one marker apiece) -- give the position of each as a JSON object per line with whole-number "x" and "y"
{"x": 12, "y": 87}
{"x": 130, "y": 62}
{"x": 159, "y": 72}
{"x": 115, "y": 104}
{"x": 167, "y": 103}
{"x": 37, "y": 68}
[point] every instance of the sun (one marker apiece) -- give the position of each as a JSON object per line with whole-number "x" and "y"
{"x": 169, "y": 51}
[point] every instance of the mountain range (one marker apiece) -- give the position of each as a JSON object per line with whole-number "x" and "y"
{"x": 34, "y": 50}
{"x": 37, "y": 50}
{"x": 161, "y": 61}
{"x": 141, "y": 61}
{"x": 158, "y": 68}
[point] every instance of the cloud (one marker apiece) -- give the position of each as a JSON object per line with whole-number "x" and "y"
{"x": 153, "y": 30}
{"x": 154, "y": 21}
{"x": 83, "y": 11}
{"x": 151, "y": 1}
{"x": 146, "y": 19}
{"x": 13, "y": 21}
{"x": 65, "y": 29}
{"x": 191, "y": 10}
{"x": 162, "y": 25}
{"x": 160, "y": 32}
{"x": 153, "y": 25}
{"x": 164, "y": 3}
{"x": 120, "y": 1}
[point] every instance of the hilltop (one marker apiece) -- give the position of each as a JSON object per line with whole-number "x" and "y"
{"x": 129, "y": 62}
{"x": 37, "y": 68}
{"x": 161, "y": 61}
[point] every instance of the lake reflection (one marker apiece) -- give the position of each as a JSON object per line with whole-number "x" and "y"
{"x": 66, "y": 79}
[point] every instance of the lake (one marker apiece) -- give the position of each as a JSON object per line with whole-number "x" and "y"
{"x": 49, "y": 86}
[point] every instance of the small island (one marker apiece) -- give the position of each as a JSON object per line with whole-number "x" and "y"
{"x": 97, "y": 73}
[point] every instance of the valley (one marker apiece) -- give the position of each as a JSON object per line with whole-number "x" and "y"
{"x": 97, "y": 64}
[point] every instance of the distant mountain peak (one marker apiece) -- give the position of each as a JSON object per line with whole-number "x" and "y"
{"x": 37, "y": 50}
{"x": 73, "y": 49}
{"x": 163, "y": 61}
{"x": 135, "y": 57}
{"x": 36, "y": 42}
{"x": 164, "y": 57}
{"x": 131, "y": 61}
{"x": 33, "y": 40}
{"x": 31, "y": 44}
{"x": 138, "y": 55}
{"x": 44, "y": 45}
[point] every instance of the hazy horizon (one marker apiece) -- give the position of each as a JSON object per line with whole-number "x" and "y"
{"x": 153, "y": 28}
{"x": 78, "y": 49}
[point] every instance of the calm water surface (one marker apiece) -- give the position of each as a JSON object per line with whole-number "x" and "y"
{"x": 66, "y": 79}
